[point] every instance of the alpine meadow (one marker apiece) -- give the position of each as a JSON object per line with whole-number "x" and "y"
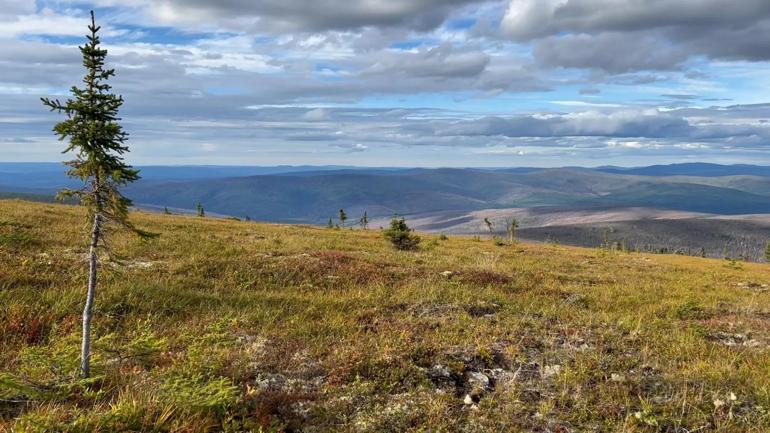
{"x": 469, "y": 216}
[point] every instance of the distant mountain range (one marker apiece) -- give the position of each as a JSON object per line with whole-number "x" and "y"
{"x": 48, "y": 176}
{"x": 667, "y": 207}
{"x": 313, "y": 198}
{"x": 313, "y": 194}
{"x": 699, "y": 169}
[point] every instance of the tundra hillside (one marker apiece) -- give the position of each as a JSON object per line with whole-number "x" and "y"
{"x": 219, "y": 325}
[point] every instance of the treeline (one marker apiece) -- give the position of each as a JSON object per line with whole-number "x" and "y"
{"x": 724, "y": 239}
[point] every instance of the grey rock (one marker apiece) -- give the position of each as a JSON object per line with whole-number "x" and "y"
{"x": 477, "y": 380}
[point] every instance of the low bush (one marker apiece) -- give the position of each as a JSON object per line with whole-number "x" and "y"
{"x": 401, "y": 236}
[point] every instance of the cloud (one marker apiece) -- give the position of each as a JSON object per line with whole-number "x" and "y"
{"x": 649, "y": 124}
{"x": 298, "y": 15}
{"x": 531, "y": 19}
{"x": 290, "y": 80}
{"x": 316, "y": 115}
{"x": 615, "y": 53}
{"x": 439, "y": 62}
{"x": 15, "y": 7}
{"x": 353, "y": 147}
{"x": 619, "y": 36}
{"x": 45, "y": 23}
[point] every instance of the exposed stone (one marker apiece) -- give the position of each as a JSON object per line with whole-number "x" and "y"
{"x": 272, "y": 382}
{"x": 737, "y": 339}
{"x": 439, "y": 371}
{"x": 477, "y": 380}
{"x": 551, "y": 370}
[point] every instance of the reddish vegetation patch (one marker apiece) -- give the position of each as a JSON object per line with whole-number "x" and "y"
{"x": 745, "y": 329}
{"x": 343, "y": 266}
{"x": 273, "y": 406}
{"x": 484, "y": 278}
{"x": 332, "y": 268}
{"x": 375, "y": 320}
{"x": 27, "y": 328}
{"x": 757, "y": 322}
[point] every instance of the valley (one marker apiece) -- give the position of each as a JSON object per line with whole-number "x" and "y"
{"x": 697, "y": 209}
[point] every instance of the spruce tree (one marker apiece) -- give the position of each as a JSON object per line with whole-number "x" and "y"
{"x": 365, "y": 221}
{"x": 400, "y": 235}
{"x": 490, "y": 227}
{"x": 98, "y": 142}
{"x": 199, "y": 210}
{"x": 343, "y": 217}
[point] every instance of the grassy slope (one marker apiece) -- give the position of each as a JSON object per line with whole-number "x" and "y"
{"x": 223, "y": 325}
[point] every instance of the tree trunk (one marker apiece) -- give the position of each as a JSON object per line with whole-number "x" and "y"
{"x": 85, "y": 353}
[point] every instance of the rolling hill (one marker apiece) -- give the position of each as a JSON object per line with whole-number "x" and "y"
{"x": 701, "y": 169}
{"x": 457, "y": 200}
{"x": 222, "y": 326}
{"x": 314, "y": 197}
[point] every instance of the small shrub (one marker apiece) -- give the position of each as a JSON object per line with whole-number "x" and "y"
{"x": 691, "y": 310}
{"x": 16, "y": 239}
{"x": 144, "y": 349}
{"x": 200, "y": 393}
{"x": 433, "y": 243}
{"x": 401, "y": 236}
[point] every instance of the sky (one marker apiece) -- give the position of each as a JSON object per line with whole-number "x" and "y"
{"x": 402, "y": 82}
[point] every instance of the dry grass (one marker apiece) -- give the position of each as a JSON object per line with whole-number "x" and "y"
{"x": 233, "y": 326}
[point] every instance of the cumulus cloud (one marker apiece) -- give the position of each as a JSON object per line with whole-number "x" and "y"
{"x": 293, "y": 79}
{"x": 443, "y": 61}
{"x": 623, "y": 35}
{"x": 15, "y": 7}
{"x": 47, "y": 22}
{"x": 299, "y": 15}
{"x": 612, "y": 52}
{"x": 530, "y": 19}
{"x": 649, "y": 124}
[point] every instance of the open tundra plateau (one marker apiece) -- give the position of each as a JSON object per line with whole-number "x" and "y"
{"x": 222, "y": 325}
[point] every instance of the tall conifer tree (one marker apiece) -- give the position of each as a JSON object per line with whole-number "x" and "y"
{"x": 98, "y": 142}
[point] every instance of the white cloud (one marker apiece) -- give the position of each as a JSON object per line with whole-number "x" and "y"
{"x": 316, "y": 115}
{"x": 45, "y": 23}
{"x": 345, "y": 77}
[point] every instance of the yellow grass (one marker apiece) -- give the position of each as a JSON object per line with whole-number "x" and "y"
{"x": 219, "y": 325}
